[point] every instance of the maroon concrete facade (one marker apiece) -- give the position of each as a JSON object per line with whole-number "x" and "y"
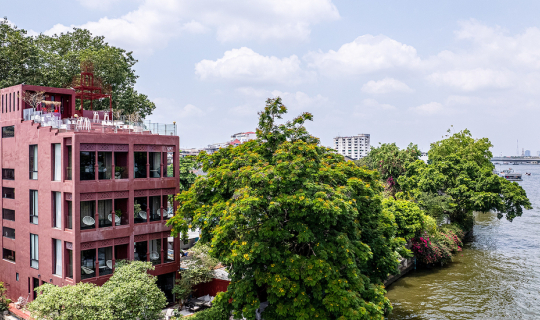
{"x": 19, "y": 276}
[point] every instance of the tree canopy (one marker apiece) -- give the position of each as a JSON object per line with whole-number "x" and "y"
{"x": 54, "y": 60}
{"x": 130, "y": 294}
{"x": 296, "y": 225}
{"x": 460, "y": 168}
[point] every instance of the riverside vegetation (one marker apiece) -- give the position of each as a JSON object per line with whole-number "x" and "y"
{"x": 314, "y": 235}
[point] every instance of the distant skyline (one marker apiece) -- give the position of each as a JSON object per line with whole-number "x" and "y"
{"x": 400, "y": 72}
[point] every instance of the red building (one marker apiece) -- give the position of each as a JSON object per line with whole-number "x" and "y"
{"x": 80, "y": 191}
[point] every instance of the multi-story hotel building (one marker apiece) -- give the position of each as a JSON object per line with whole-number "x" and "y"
{"x": 354, "y": 147}
{"x": 80, "y": 191}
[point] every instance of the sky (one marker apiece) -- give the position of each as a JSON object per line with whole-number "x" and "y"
{"x": 402, "y": 71}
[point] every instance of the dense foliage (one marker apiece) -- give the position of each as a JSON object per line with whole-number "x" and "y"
{"x": 410, "y": 219}
{"x": 186, "y": 172}
{"x": 460, "y": 168}
{"x": 391, "y": 162}
{"x": 4, "y": 302}
{"x": 296, "y": 225}
{"x": 131, "y": 293}
{"x": 54, "y": 60}
{"x": 439, "y": 247}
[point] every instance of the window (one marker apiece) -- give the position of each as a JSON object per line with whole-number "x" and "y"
{"x": 69, "y": 219}
{"x": 105, "y": 261}
{"x": 57, "y": 207}
{"x": 8, "y": 132}
{"x": 8, "y": 214}
{"x": 155, "y": 208}
{"x": 88, "y": 263}
{"x": 57, "y": 266}
{"x": 57, "y": 165}
{"x": 104, "y": 165}
{"x": 106, "y": 214}
{"x": 33, "y": 162}
{"x": 34, "y": 206}
{"x": 88, "y": 212}
{"x": 17, "y": 276}
{"x": 8, "y": 174}
{"x": 8, "y": 232}
{"x": 34, "y": 251}
{"x": 155, "y": 164}
{"x": 121, "y": 165}
{"x": 140, "y": 251}
{"x": 169, "y": 255}
{"x": 139, "y": 210}
{"x": 8, "y": 193}
{"x": 69, "y": 271}
{"x": 68, "y": 167}
{"x": 8, "y": 255}
{"x": 155, "y": 251}
{"x": 88, "y": 160}
{"x": 170, "y": 164}
{"x": 140, "y": 164}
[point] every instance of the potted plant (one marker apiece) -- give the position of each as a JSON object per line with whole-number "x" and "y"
{"x": 118, "y": 213}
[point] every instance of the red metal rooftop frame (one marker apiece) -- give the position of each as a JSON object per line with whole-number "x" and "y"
{"x": 89, "y": 87}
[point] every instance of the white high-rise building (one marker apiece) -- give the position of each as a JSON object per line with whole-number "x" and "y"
{"x": 354, "y": 147}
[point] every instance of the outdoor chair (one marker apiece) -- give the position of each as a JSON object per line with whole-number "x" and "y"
{"x": 89, "y": 221}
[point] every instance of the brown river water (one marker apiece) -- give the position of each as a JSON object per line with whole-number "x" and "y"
{"x": 496, "y": 276}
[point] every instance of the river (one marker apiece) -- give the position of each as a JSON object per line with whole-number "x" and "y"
{"x": 496, "y": 276}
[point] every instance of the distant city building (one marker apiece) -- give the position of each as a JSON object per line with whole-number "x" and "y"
{"x": 354, "y": 147}
{"x": 538, "y": 153}
{"x": 527, "y": 153}
{"x": 236, "y": 139}
{"x": 424, "y": 156}
{"x": 242, "y": 137}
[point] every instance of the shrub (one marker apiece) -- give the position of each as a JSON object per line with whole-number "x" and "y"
{"x": 410, "y": 219}
{"x": 438, "y": 248}
{"x": 4, "y": 302}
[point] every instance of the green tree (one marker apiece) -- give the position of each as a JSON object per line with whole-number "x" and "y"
{"x": 391, "y": 162}
{"x": 54, "y": 60}
{"x": 186, "y": 172}
{"x": 460, "y": 169}
{"x": 296, "y": 225}
{"x": 4, "y": 302}
{"x": 410, "y": 219}
{"x": 131, "y": 293}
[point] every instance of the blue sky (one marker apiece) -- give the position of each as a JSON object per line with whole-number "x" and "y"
{"x": 403, "y": 71}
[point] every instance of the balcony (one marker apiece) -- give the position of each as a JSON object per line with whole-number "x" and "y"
{"x": 98, "y": 122}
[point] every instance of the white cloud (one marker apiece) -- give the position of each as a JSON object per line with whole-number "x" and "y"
{"x": 429, "y": 108}
{"x": 155, "y": 22}
{"x": 245, "y": 64}
{"x": 98, "y": 4}
{"x": 365, "y": 54}
{"x": 472, "y": 80}
{"x": 385, "y": 85}
{"x": 301, "y": 100}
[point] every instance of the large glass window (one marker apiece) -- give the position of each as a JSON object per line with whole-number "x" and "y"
{"x": 69, "y": 273}
{"x": 8, "y": 232}
{"x": 155, "y": 164}
{"x": 8, "y": 214}
{"x": 105, "y": 213}
{"x": 121, "y": 165}
{"x": 69, "y": 224}
{"x": 104, "y": 165}
{"x": 155, "y": 251}
{"x": 69, "y": 164}
{"x": 34, "y": 251}
{"x": 8, "y": 193}
{"x": 105, "y": 261}
{"x": 168, "y": 206}
{"x": 8, "y": 132}
{"x": 155, "y": 208}
{"x": 88, "y": 211}
{"x": 140, "y": 251}
{"x": 169, "y": 255}
{"x": 8, "y": 174}
{"x": 88, "y": 160}
{"x": 8, "y": 254}
{"x": 140, "y": 164}
{"x": 170, "y": 164}
{"x": 57, "y": 207}
{"x": 33, "y": 161}
{"x": 34, "y": 206}
{"x": 88, "y": 263}
{"x": 57, "y": 265}
{"x": 140, "y": 210}
{"x": 57, "y": 162}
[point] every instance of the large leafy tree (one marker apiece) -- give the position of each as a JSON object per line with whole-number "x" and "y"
{"x": 391, "y": 162}
{"x": 131, "y": 293}
{"x": 460, "y": 168}
{"x": 54, "y": 60}
{"x": 296, "y": 225}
